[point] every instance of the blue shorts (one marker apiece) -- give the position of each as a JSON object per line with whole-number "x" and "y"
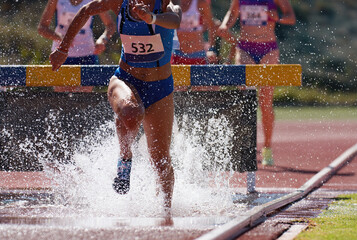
{"x": 149, "y": 92}
{"x": 87, "y": 60}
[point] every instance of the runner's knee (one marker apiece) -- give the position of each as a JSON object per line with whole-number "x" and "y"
{"x": 131, "y": 115}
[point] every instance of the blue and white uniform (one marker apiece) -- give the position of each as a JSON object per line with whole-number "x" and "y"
{"x": 83, "y": 43}
{"x": 145, "y": 46}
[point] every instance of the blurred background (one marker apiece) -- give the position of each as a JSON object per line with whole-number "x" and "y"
{"x": 324, "y": 42}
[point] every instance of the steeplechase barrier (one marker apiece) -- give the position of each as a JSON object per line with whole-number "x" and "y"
{"x": 29, "y": 105}
{"x": 184, "y": 75}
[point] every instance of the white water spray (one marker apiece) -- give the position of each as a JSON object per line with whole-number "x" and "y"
{"x": 85, "y": 187}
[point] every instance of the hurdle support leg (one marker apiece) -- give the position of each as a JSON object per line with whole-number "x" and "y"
{"x": 251, "y": 182}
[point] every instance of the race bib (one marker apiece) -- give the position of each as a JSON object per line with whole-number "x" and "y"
{"x": 254, "y": 15}
{"x": 142, "y": 48}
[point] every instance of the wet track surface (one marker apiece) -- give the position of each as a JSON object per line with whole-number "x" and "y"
{"x": 32, "y": 214}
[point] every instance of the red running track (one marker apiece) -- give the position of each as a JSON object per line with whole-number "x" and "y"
{"x": 303, "y": 148}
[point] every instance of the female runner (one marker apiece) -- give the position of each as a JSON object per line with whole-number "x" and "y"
{"x": 141, "y": 89}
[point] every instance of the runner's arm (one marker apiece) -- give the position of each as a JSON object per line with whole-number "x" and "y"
{"x": 288, "y": 15}
{"x": 93, "y": 8}
{"x": 109, "y": 27}
{"x": 59, "y": 56}
{"x": 231, "y": 15}
{"x": 43, "y": 27}
{"x": 206, "y": 13}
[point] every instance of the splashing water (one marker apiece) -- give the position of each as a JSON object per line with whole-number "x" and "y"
{"x": 84, "y": 187}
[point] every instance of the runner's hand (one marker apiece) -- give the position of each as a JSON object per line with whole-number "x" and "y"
{"x": 99, "y": 47}
{"x": 212, "y": 57}
{"x": 57, "y": 59}
{"x": 143, "y": 12}
{"x": 222, "y": 31}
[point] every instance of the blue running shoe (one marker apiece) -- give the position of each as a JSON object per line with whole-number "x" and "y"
{"x": 122, "y": 181}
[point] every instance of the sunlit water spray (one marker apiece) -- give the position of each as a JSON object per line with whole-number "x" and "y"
{"x": 86, "y": 185}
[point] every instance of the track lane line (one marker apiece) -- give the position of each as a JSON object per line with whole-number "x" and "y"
{"x": 231, "y": 229}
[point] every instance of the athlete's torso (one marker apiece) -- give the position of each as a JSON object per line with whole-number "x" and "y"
{"x": 255, "y": 22}
{"x": 190, "y": 33}
{"x": 191, "y": 19}
{"x": 141, "y": 41}
{"x": 83, "y": 43}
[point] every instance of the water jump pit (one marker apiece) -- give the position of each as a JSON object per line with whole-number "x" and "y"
{"x": 43, "y": 213}
{"x": 62, "y": 196}
{"x": 58, "y": 155}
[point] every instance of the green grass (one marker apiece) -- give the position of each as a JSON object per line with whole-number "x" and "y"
{"x": 315, "y": 113}
{"x": 314, "y": 96}
{"x": 339, "y": 221}
{"x": 306, "y": 103}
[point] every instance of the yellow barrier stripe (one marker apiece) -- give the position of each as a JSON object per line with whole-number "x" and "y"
{"x": 44, "y": 76}
{"x": 181, "y": 75}
{"x": 273, "y": 75}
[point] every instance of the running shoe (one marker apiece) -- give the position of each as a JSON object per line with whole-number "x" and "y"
{"x": 267, "y": 156}
{"x": 122, "y": 181}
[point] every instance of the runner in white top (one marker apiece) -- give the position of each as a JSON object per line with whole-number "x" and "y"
{"x": 83, "y": 49}
{"x": 196, "y": 17}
